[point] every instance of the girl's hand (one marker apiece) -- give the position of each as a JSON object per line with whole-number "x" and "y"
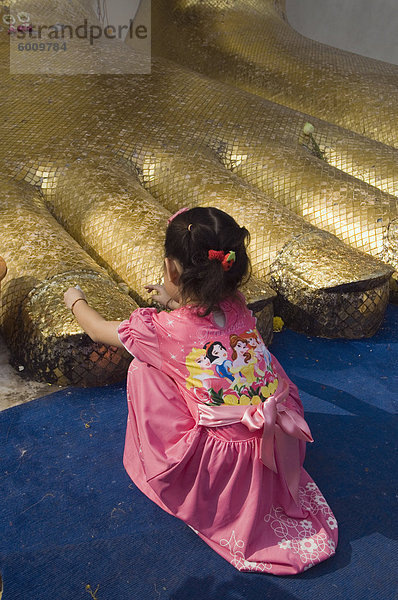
{"x": 72, "y": 294}
{"x": 161, "y": 295}
{"x": 94, "y": 324}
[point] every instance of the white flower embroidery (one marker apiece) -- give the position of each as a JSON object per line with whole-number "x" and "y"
{"x": 312, "y": 500}
{"x": 286, "y": 527}
{"x": 314, "y": 549}
{"x": 332, "y": 545}
{"x": 332, "y": 523}
{"x": 236, "y": 550}
{"x": 319, "y": 499}
{"x": 299, "y": 535}
{"x": 308, "y": 545}
{"x": 306, "y": 524}
{"x": 252, "y": 565}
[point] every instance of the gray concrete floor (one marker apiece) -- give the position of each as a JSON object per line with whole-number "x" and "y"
{"x": 15, "y": 388}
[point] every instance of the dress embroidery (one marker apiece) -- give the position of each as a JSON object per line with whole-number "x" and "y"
{"x": 299, "y": 536}
{"x": 236, "y": 550}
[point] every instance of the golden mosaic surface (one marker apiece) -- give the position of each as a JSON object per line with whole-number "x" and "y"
{"x": 250, "y": 44}
{"x": 93, "y": 165}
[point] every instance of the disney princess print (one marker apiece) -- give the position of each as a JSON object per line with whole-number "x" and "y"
{"x": 239, "y": 371}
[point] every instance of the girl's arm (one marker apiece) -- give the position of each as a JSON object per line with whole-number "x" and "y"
{"x": 96, "y": 327}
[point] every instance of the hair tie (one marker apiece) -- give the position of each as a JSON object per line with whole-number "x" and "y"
{"x": 179, "y": 212}
{"x": 229, "y": 260}
{"x": 226, "y": 259}
{"x": 189, "y": 227}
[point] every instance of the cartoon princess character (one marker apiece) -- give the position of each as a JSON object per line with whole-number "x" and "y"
{"x": 199, "y": 368}
{"x": 243, "y": 362}
{"x": 264, "y": 367}
{"x": 218, "y": 356}
{"x": 259, "y": 351}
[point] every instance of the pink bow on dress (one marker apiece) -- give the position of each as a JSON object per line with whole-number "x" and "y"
{"x": 282, "y": 430}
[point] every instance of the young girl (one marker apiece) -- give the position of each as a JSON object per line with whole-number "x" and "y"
{"x": 226, "y": 458}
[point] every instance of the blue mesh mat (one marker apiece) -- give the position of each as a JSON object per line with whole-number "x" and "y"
{"x": 71, "y": 518}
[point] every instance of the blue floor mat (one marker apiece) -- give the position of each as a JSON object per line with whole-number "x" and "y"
{"x": 71, "y": 518}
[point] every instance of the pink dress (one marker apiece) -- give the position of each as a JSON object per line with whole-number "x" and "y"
{"x": 216, "y": 437}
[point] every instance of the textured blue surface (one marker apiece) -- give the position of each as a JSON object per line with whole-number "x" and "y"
{"x": 70, "y": 517}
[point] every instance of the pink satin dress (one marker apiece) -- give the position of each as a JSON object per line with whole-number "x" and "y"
{"x": 216, "y": 437}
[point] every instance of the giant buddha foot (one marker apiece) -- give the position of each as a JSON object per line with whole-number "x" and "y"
{"x": 93, "y": 166}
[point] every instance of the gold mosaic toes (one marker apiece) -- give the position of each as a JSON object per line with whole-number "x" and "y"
{"x": 250, "y": 44}
{"x": 355, "y": 96}
{"x": 43, "y": 261}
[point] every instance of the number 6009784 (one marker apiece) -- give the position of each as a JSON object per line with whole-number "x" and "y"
{"x": 41, "y": 47}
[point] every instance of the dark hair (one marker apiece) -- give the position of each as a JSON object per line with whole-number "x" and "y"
{"x": 209, "y": 350}
{"x": 189, "y": 237}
